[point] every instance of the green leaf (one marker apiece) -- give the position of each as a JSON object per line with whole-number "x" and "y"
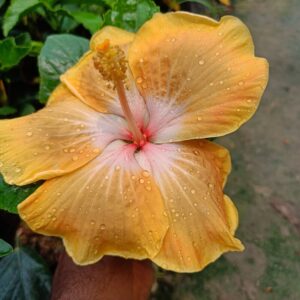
{"x": 131, "y": 14}
{"x": 24, "y": 275}
{"x": 206, "y": 3}
{"x": 7, "y": 110}
{"x": 27, "y": 109}
{"x": 13, "y": 49}
{"x": 1, "y": 3}
{"x": 12, "y": 195}
{"x": 15, "y": 11}
{"x": 60, "y": 52}
{"x": 89, "y": 20}
{"x": 5, "y": 248}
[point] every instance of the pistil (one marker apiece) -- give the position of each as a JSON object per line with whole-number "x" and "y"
{"x": 111, "y": 63}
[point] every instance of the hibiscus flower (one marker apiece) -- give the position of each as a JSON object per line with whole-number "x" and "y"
{"x": 122, "y": 143}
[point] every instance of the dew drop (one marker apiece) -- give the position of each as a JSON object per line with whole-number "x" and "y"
{"x": 241, "y": 83}
{"x": 201, "y": 62}
{"x": 148, "y": 188}
{"x": 102, "y": 227}
{"x": 141, "y": 180}
{"x": 139, "y": 80}
{"x": 193, "y": 191}
{"x": 92, "y": 222}
{"x": 96, "y": 150}
{"x": 195, "y": 204}
{"x": 210, "y": 185}
{"x": 66, "y": 150}
{"x": 199, "y": 118}
{"x": 47, "y": 147}
{"x": 75, "y": 158}
{"x": 72, "y": 150}
{"x": 146, "y": 174}
{"x": 117, "y": 168}
{"x": 18, "y": 170}
{"x": 29, "y": 133}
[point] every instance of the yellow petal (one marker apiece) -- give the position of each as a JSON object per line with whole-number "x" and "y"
{"x": 115, "y": 35}
{"x": 202, "y": 223}
{"x": 225, "y": 2}
{"x": 56, "y": 140}
{"x": 199, "y": 77}
{"x": 109, "y": 206}
{"x": 232, "y": 214}
{"x": 86, "y": 83}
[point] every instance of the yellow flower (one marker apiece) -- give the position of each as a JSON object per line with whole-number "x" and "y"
{"x": 128, "y": 171}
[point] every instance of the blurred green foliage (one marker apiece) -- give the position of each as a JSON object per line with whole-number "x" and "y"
{"x": 24, "y": 275}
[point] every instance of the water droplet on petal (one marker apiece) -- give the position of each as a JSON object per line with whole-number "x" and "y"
{"x": 139, "y": 80}
{"x": 29, "y": 133}
{"x": 75, "y": 157}
{"x": 102, "y": 227}
{"x": 201, "y": 62}
{"x": 96, "y": 150}
{"x": 47, "y": 147}
{"x": 146, "y": 174}
{"x": 193, "y": 191}
{"x": 18, "y": 170}
{"x": 141, "y": 180}
{"x": 241, "y": 83}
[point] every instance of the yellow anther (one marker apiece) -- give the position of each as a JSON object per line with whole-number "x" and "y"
{"x": 110, "y": 61}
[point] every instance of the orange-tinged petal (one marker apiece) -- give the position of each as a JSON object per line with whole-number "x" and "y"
{"x": 232, "y": 214}
{"x": 199, "y": 77}
{"x": 56, "y": 140}
{"x": 115, "y": 35}
{"x": 202, "y": 223}
{"x": 86, "y": 83}
{"x": 110, "y": 206}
